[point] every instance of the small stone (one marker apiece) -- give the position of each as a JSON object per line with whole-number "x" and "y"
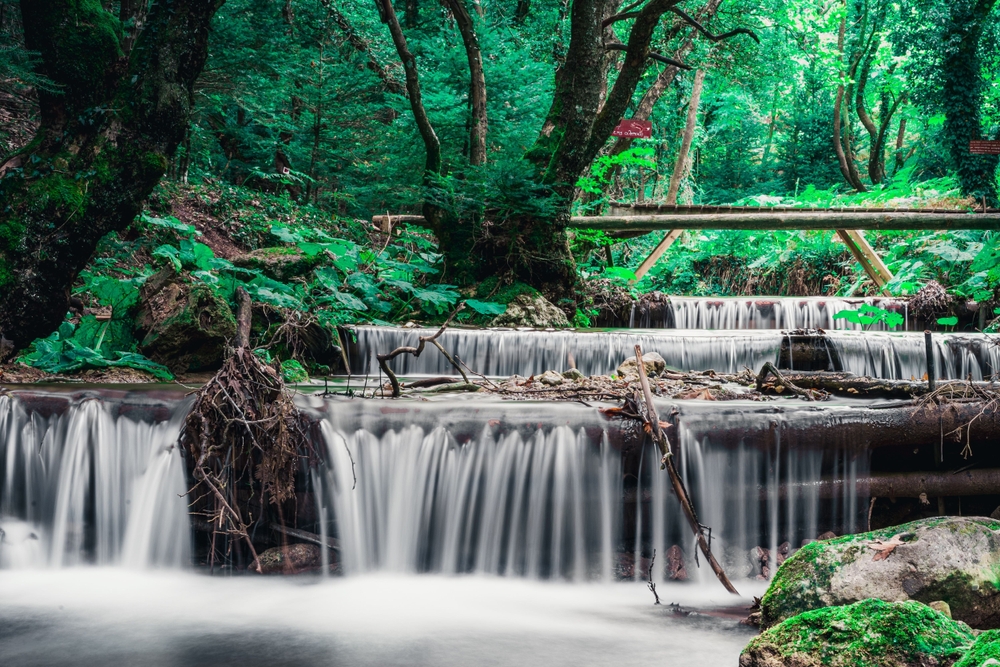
{"x": 651, "y": 361}
{"x": 288, "y": 560}
{"x": 550, "y": 378}
{"x": 828, "y": 535}
{"x": 573, "y": 374}
{"x": 941, "y": 606}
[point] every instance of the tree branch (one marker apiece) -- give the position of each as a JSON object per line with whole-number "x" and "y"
{"x": 715, "y": 38}
{"x": 651, "y": 55}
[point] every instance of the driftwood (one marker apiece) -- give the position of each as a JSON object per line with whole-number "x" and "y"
{"x": 304, "y": 535}
{"x": 416, "y": 351}
{"x": 659, "y": 436}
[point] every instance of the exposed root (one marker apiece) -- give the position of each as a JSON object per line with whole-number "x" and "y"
{"x": 244, "y": 427}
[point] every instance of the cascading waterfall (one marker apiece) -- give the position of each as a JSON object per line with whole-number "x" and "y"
{"x": 457, "y": 489}
{"x": 770, "y": 312}
{"x": 501, "y": 352}
{"x": 82, "y": 481}
{"x": 903, "y": 356}
{"x": 526, "y": 353}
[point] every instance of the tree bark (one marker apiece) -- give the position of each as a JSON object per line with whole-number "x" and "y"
{"x": 681, "y": 165}
{"x": 105, "y": 140}
{"x": 477, "y": 81}
{"x": 362, "y": 46}
{"x": 432, "y": 145}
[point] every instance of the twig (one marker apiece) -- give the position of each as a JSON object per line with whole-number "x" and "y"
{"x": 650, "y": 584}
{"x": 653, "y": 422}
{"x": 415, "y": 351}
{"x": 715, "y": 38}
{"x": 653, "y": 55}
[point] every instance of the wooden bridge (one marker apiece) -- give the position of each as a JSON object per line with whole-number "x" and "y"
{"x": 627, "y": 220}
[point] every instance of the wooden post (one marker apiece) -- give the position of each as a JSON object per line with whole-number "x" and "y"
{"x": 863, "y": 252}
{"x": 658, "y": 251}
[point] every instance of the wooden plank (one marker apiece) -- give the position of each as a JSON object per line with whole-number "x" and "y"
{"x": 658, "y": 251}
{"x": 791, "y": 220}
{"x": 641, "y": 224}
{"x": 865, "y": 254}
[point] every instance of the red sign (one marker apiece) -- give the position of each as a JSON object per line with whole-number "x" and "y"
{"x": 984, "y": 147}
{"x": 637, "y": 129}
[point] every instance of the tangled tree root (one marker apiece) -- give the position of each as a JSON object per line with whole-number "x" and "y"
{"x": 244, "y": 435}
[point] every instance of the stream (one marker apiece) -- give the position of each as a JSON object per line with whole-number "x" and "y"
{"x": 469, "y": 530}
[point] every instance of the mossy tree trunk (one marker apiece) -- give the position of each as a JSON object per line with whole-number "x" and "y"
{"x": 963, "y": 97}
{"x": 107, "y": 135}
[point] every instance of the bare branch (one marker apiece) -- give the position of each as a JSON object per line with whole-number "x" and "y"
{"x": 653, "y": 56}
{"x": 625, "y": 13}
{"x": 715, "y": 38}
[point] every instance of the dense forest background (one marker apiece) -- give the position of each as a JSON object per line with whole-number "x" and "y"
{"x": 303, "y": 127}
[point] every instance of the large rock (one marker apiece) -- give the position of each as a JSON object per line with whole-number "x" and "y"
{"x": 280, "y": 263}
{"x": 292, "y": 559}
{"x": 527, "y": 310}
{"x": 184, "y": 325}
{"x": 984, "y": 653}
{"x": 870, "y": 633}
{"x": 953, "y": 559}
{"x": 653, "y": 363}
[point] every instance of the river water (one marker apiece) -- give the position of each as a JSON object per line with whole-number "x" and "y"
{"x": 84, "y": 617}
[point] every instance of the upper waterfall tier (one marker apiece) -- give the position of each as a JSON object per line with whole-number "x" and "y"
{"x": 738, "y": 312}
{"x": 504, "y": 352}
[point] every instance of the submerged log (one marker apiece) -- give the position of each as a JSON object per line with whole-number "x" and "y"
{"x": 982, "y": 482}
{"x": 848, "y": 384}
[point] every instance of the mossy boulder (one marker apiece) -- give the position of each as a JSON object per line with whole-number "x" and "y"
{"x": 984, "y": 653}
{"x": 869, "y": 633}
{"x": 281, "y": 263}
{"x": 954, "y": 559}
{"x": 184, "y": 325}
{"x": 535, "y": 311}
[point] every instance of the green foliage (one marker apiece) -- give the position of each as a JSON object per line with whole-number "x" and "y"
{"x": 293, "y": 372}
{"x": 486, "y": 307}
{"x": 868, "y": 315}
{"x": 74, "y": 348}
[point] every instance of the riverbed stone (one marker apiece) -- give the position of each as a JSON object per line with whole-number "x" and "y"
{"x": 551, "y": 378}
{"x": 531, "y": 310}
{"x": 952, "y": 559}
{"x": 653, "y": 363}
{"x": 184, "y": 324}
{"x": 573, "y": 375}
{"x": 869, "y": 633}
{"x": 292, "y": 559}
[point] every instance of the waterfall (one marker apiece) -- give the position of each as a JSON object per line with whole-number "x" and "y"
{"x": 504, "y": 352}
{"x": 486, "y": 486}
{"x": 789, "y": 312}
{"x": 903, "y": 356}
{"x": 84, "y": 481}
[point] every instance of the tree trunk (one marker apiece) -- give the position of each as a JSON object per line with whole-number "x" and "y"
{"x": 841, "y": 141}
{"x": 963, "y": 94}
{"x": 105, "y": 140}
{"x": 477, "y": 81}
{"x": 681, "y": 165}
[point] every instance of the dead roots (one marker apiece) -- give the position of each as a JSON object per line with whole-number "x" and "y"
{"x": 244, "y": 427}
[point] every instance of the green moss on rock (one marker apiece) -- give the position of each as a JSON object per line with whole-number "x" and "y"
{"x": 954, "y": 559}
{"x": 986, "y": 648}
{"x": 869, "y": 633}
{"x": 280, "y": 263}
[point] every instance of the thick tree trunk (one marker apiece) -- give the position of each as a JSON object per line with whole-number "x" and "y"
{"x": 105, "y": 141}
{"x": 681, "y": 165}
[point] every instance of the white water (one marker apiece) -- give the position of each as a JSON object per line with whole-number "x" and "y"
{"x": 88, "y": 484}
{"x": 112, "y": 617}
{"x": 902, "y": 356}
{"x": 504, "y": 352}
{"x": 765, "y": 312}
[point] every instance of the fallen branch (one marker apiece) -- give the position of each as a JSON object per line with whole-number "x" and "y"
{"x": 653, "y": 424}
{"x": 650, "y": 584}
{"x": 415, "y": 351}
{"x": 306, "y": 536}
{"x": 769, "y": 368}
